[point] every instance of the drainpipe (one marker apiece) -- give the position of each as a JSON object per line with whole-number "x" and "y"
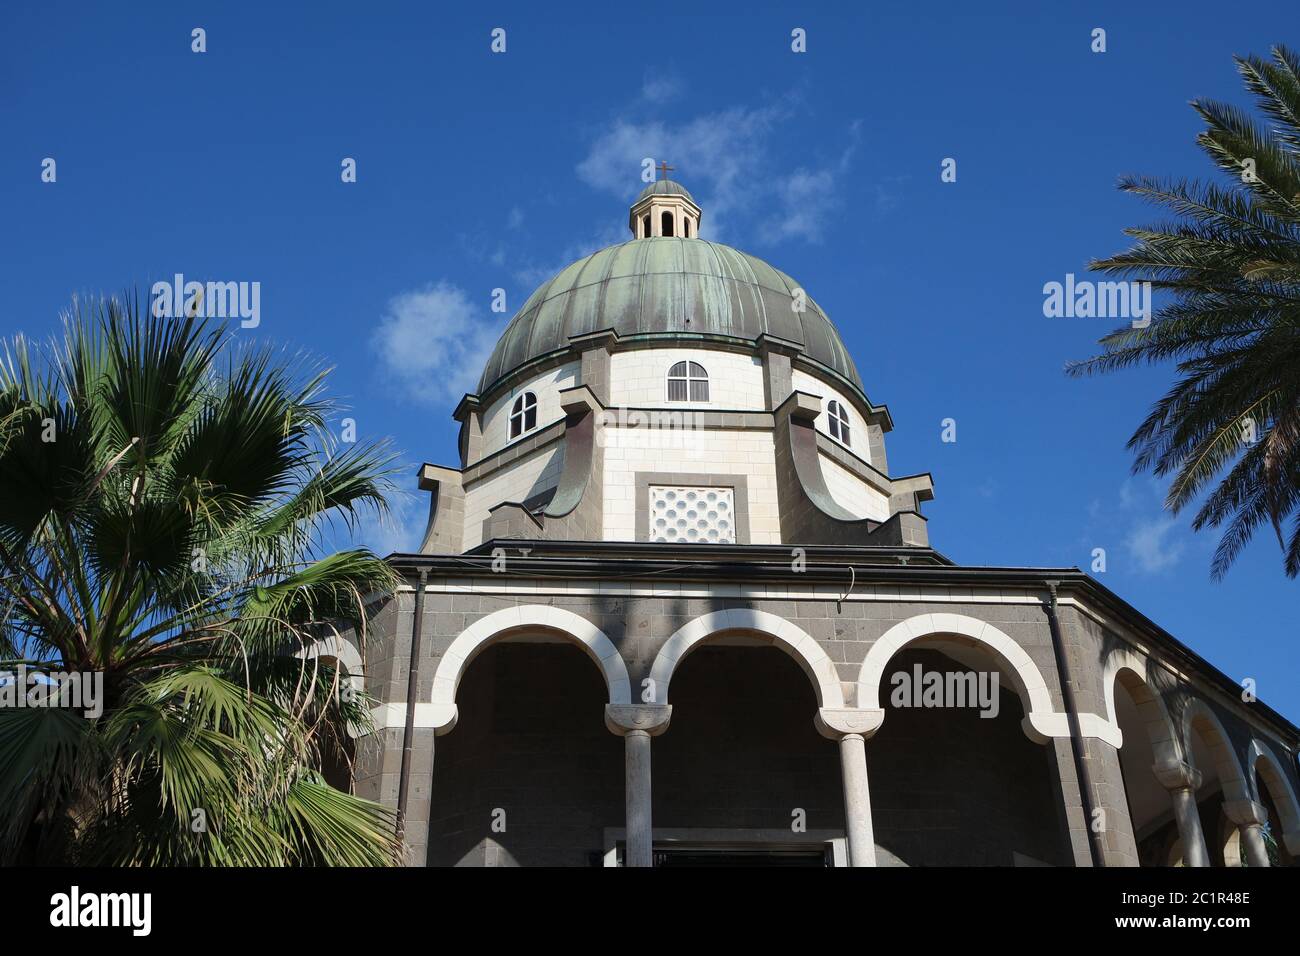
{"x": 412, "y": 694}
{"x": 1081, "y": 770}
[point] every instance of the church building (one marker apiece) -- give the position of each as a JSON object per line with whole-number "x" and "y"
{"x": 673, "y": 608}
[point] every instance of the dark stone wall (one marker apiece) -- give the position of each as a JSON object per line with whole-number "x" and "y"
{"x": 742, "y": 750}
{"x": 530, "y": 740}
{"x": 951, "y": 788}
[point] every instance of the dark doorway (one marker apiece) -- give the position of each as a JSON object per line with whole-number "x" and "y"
{"x": 726, "y": 856}
{"x": 530, "y": 775}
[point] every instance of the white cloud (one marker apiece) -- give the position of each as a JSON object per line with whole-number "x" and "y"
{"x": 727, "y": 160}
{"x": 1154, "y": 541}
{"x": 889, "y": 193}
{"x": 662, "y": 87}
{"x": 1151, "y": 546}
{"x": 725, "y": 157}
{"x": 433, "y": 342}
{"x": 806, "y": 197}
{"x": 809, "y": 196}
{"x": 400, "y": 530}
{"x": 1128, "y": 496}
{"x": 1136, "y": 522}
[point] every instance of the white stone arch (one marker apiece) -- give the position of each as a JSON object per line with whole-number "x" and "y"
{"x": 1199, "y": 718}
{"x": 796, "y": 642}
{"x": 341, "y": 650}
{"x": 346, "y": 654}
{"x": 1041, "y": 721}
{"x": 1266, "y": 773}
{"x": 1160, "y": 727}
{"x": 500, "y": 624}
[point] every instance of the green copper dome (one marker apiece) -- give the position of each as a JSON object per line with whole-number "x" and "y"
{"x": 664, "y": 187}
{"x": 666, "y": 288}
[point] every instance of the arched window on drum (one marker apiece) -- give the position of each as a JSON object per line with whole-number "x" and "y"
{"x": 688, "y": 382}
{"x": 837, "y": 421}
{"x": 523, "y": 415}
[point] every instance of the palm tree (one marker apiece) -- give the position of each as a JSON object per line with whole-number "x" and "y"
{"x": 1231, "y": 258}
{"x": 164, "y": 501}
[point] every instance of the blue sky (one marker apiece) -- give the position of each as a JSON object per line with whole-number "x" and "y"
{"x": 478, "y": 171}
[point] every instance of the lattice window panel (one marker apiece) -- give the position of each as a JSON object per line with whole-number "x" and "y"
{"x": 692, "y": 515}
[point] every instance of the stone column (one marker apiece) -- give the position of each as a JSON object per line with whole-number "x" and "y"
{"x": 636, "y": 724}
{"x": 1182, "y": 781}
{"x": 637, "y": 796}
{"x": 851, "y": 728}
{"x": 1250, "y": 817}
{"x": 857, "y": 801}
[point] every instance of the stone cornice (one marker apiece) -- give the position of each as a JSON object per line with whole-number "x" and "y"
{"x": 519, "y": 448}
{"x": 874, "y": 414}
{"x": 875, "y": 566}
{"x": 691, "y": 417}
{"x": 921, "y": 484}
{"x": 431, "y": 475}
{"x": 468, "y": 403}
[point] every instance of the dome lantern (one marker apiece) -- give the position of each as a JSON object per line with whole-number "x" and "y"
{"x": 664, "y": 210}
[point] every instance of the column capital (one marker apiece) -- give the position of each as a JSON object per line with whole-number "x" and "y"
{"x": 650, "y": 718}
{"x": 1177, "y": 775}
{"x": 1245, "y": 813}
{"x": 837, "y": 722}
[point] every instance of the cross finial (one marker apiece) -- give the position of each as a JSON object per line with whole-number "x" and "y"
{"x": 664, "y": 168}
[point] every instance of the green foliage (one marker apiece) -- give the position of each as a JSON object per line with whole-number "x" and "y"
{"x": 169, "y": 536}
{"x": 1231, "y": 259}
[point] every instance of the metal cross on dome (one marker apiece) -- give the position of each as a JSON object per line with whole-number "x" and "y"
{"x": 664, "y": 168}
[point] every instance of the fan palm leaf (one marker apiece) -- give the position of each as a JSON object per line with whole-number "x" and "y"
{"x": 166, "y": 501}
{"x": 1231, "y": 263}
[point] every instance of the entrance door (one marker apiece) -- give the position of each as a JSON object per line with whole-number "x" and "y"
{"x": 700, "y": 854}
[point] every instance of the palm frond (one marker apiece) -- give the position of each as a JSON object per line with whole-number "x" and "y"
{"x": 169, "y": 538}
{"x": 1230, "y": 266}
